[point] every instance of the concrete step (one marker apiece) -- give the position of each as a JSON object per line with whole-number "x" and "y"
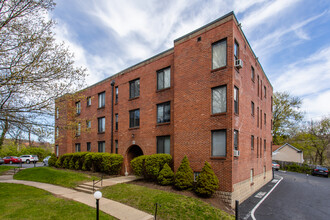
{"x": 89, "y": 187}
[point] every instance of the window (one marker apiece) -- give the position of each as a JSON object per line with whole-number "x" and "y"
{"x": 219, "y": 143}
{"x": 101, "y": 124}
{"x": 258, "y": 117}
{"x": 89, "y": 146}
{"x": 236, "y": 51}
{"x": 134, "y": 118}
{"x": 101, "y": 99}
{"x": 164, "y": 112}
{"x": 236, "y": 100}
{"x": 134, "y": 88}
{"x": 116, "y": 121}
{"x": 164, "y": 78}
{"x": 251, "y": 175}
{"x": 257, "y": 147}
{"x": 264, "y": 171}
{"x": 164, "y": 145}
{"x": 261, "y": 89}
{"x": 101, "y": 146}
{"x": 219, "y": 99}
{"x": 116, "y": 145}
{"x": 252, "y": 73}
{"x": 258, "y": 85}
{"x": 271, "y": 124}
{"x": 260, "y": 147}
{"x": 196, "y": 175}
{"x": 57, "y": 113}
{"x": 89, "y": 101}
{"x": 56, "y": 150}
{"x": 116, "y": 98}
{"x": 252, "y": 108}
{"x": 235, "y": 140}
{"x": 264, "y": 144}
{"x": 265, "y": 119}
{"x": 88, "y": 124}
{"x": 219, "y": 54}
{"x": 78, "y": 129}
{"x": 77, "y": 147}
{"x": 265, "y": 91}
{"x": 271, "y": 103}
{"x": 252, "y": 142}
{"x": 57, "y": 132}
{"x": 78, "y": 108}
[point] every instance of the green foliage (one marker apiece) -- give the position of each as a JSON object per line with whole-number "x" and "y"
{"x": 184, "y": 177}
{"x": 154, "y": 164}
{"x": 52, "y": 160}
{"x": 294, "y": 167}
{"x": 149, "y": 166}
{"x": 137, "y": 165}
{"x": 166, "y": 176}
{"x": 207, "y": 182}
{"x": 96, "y": 162}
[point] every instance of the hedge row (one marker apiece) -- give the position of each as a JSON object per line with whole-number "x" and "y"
{"x": 89, "y": 161}
{"x": 156, "y": 168}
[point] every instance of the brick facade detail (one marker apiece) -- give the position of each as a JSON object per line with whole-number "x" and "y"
{"x": 191, "y": 120}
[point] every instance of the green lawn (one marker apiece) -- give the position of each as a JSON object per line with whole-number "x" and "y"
{"x": 26, "y": 202}
{"x": 173, "y": 206}
{"x": 5, "y": 168}
{"x": 51, "y": 175}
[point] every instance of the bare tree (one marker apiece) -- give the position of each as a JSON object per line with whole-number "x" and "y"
{"x": 34, "y": 69}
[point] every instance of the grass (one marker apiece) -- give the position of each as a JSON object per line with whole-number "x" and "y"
{"x": 51, "y": 175}
{"x": 3, "y": 169}
{"x": 173, "y": 206}
{"x": 26, "y": 202}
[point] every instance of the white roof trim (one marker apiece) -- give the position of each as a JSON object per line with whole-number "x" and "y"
{"x": 286, "y": 144}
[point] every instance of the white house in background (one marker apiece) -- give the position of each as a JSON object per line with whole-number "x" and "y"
{"x": 288, "y": 153}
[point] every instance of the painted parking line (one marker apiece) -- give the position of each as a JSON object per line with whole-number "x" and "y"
{"x": 259, "y": 203}
{"x": 260, "y": 195}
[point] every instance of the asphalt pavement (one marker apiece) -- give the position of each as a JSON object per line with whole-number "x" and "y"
{"x": 297, "y": 196}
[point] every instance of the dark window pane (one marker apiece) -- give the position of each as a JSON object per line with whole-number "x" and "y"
{"x": 219, "y": 143}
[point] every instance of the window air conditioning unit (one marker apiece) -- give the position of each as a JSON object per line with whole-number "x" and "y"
{"x": 239, "y": 63}
{"x": 236, "y": 153}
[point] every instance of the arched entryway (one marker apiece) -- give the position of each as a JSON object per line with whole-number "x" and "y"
{"x": 132, "y": 152}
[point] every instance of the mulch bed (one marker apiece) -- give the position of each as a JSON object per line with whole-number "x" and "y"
{"x": 214, "y": 201}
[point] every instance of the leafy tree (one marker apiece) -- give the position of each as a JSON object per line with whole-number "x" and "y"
{"x": 207, "y": 182}
{"x": 286, "y": 116}
{"x": 184, "y": 177}
{"x": 166, "y": 175}
{"x": 34, "y": 69}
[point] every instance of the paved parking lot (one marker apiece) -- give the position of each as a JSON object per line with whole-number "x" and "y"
{"x": 297, "y": 196}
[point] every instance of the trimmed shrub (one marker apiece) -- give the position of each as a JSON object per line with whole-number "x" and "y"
{"x": 184, "y": 177}
{"x": 111, "y": 163}
{"x": 154, "y": 164}
{"x": 207, "y": 182}
{"x": 166, "y": 175}
{"x": 137, "y": 165}
{"x": 52, "y": 160}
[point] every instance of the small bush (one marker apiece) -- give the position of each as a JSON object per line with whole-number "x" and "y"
{"x": 166, "y": 175}
{"x": 207, "y": 182}
{"x": 184, "y": 177}
{"x": 154, "y": 164}
{"x": 137, "y": 165}
{"x": 52, "y": 160}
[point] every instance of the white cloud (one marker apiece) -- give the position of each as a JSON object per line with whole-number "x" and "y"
{"x": 317, "y": 106}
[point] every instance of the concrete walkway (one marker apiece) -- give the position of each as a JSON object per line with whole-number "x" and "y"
{"x": 113, "y": 208}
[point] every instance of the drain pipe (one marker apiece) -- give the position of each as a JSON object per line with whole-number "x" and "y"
{"x": 112, "y": 85}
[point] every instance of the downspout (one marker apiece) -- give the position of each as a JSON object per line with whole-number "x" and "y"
{"x": 112, "y": 85}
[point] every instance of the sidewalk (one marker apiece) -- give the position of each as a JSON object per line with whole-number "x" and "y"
{"x": 108, "y": 206}
{"x": 247, "y": 206}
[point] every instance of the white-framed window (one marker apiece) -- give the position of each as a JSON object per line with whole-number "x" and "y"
{"x": 101, "y": 124}
{"x": 164, "y": 112}
{"x": 236, "y": 93}
{"x": 78, "y": 129}
{"x": 56, "y": 150}
{"x": 78, "y": 108}
{"x": 236, "y": 51}
{"x": 57, "y": 132}
{"x": 164, "y": 78}
{"x": 89, "y": 101}
{"x": 101, "y": 99}
{"x": 77, "y": 147}
{"x": 219, "y": 99}
{"x": 219, "y": 143}
{"x": 219, "y": 54}
{"x": 163, "y": 145}
{"x": 101, "y": 146}
{"x": 88, "y": 124}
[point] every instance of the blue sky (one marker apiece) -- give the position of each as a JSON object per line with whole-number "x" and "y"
{"x": 290, "y": 37}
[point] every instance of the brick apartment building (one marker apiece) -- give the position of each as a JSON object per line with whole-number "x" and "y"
{"x": 207, "y": 98}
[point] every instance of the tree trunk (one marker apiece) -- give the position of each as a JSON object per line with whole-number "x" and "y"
{"x": 4, "y": 131}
